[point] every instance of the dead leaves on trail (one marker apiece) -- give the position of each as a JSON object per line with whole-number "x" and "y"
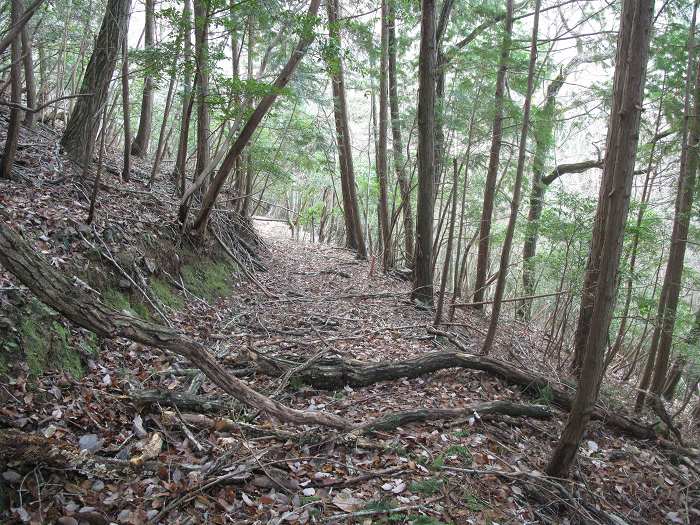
{"x": 224, "y": 464}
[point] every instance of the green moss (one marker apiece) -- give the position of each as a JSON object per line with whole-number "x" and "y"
{"x": 90, "y": 344}
{"x": 36, "y": 347}
{"x": 115, "y": 299}
{"x": 165, "y": 293}
{"x": 121, "y": 302}
{"x": 208, "y": 280}
{"x": 48, "y": 348}
{"x": 66, "y": 358}
{"x": 141, "y": 310}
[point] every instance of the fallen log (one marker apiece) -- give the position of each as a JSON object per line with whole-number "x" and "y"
{"x": 181, "y": 400}
{"x": 334, "y": 373}
{"x": 78, "y": 305}
{"x": 501, "y": 408}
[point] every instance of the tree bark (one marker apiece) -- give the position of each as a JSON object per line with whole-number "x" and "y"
{"x": 450, "y": 242}
{"x": 334, "y": 373}
{"x": 482, "y": 261}
{"x": 181, "y": 155}
{"x": 126, "y": 167}
{"x": 29, "y": 82}
{"x": 382, "y": 169}
{"x": 396, "y": 142}
{"x": 354, "y": 238}
{"x": 12, "y": 137}
{"x": 423, "y": 259}
{"x": 201, "y": 53}
{"x": 616, "y": 186}
{"x": 515, "y": 202}
{"x": 681, "y": 225}
{"x": 78, "y": 139}
{"x": 139, "y": 148}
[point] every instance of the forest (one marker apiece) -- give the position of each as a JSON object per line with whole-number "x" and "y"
{"x": 319, "y": 261}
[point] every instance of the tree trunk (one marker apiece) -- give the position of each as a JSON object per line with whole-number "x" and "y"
{"x": 17, "y": 26}
{"x": 10, "y": 151}
{"x": 618, "y": 173}
{"x": 139, "y": 148}
{"x": 397, "y": 144}
{"x": 543, "y": 133}
{"x": 181, "y": 155}
{"x": 676, "y": 256}
{"x": 29, "y": 81}
{"x": 382, "y": 171}
{"x": 448, "y": 253}
{"x": 253, "y": 121}
{"x": 423, "y": 259}
{"x": 126, "y": 168}
{"x": 354, "y": 238}
{"x": 515, "y": 203}
{"x": 201, "y": 53}
{"x": 482, "y": 262}
{"x": 660, "y": 349}
{"x": 78, "y": 139}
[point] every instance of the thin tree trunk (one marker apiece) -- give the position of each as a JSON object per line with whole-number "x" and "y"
{"x": 423, "y": 275}
{"x": 616, "y": 186}
{"x": 139, "y": 148}
{"x": 181, "y": 155}
{"x": 12, "y": 137}
{"x": 126, "y": 168}
{"x": 681, "y": 226}
{"x": 354, "y": 238}
{"x": 98, "y": 175}
{"x": 252, "y": 123}
{"x": 482, "y": 263}
{"x": 450, "y": 242}
{"x": 515, "y": 203}
{"x": 382, "y": 171}
{"x": 646, "y": 193}
{"x": 656, "y": 365}
{"x": 201, "y": 51}
{"x": 397, "y": 145}
{"x": 29, "y": 81}
{"x": 18, "y": 24}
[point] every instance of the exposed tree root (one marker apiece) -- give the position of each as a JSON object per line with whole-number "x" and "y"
{"x": 334, "y": 373}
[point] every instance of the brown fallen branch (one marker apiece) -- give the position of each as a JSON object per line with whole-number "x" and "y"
{"x": 78, "y": 305}
{"x": 182, "y": 400}
{"x": 224, "y": 424}
{"x": 333, "y": 373}
{"x": 502, "y": 408}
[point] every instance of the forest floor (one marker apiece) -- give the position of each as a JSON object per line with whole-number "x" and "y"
{"x": 197, "y": 457}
